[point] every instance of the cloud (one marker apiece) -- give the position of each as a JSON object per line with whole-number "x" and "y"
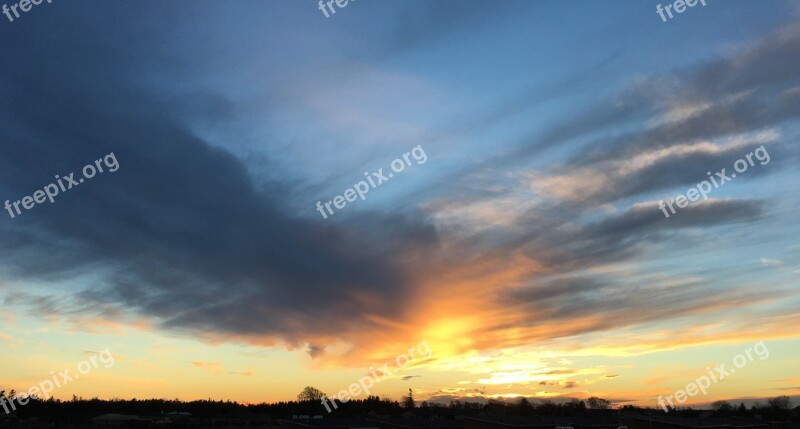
{"x": 559, "y": 287}
{"x": 613, "y": 303}
{"x": 212, "y": 367}
{"x": 742, "y": 97}
{"x": 656, "y": 170}
{"x": 314, "y": 351}
{"x": 696, "y": 106}
{"x": 771, "y": 262}
{"x": 563, "y": 247}
{"x": 189, "y": 237}
{"x": 183, "y": 233}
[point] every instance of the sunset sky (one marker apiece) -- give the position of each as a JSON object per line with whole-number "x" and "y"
{"x": 528, "y": 251}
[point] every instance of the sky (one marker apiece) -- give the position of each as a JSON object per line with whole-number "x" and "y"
{"x": 522, "y": 241}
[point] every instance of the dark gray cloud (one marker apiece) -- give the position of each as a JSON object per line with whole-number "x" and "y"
{"x": 646, "y": 219}
{"x": 603, "y": 303}
{"x": 558, "y": 287}
{"x": 181, "y": 232}
{"x": 564, "y": 247}
{"x": 765, "y": 64}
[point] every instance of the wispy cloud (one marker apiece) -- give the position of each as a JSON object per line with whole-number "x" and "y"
{"x": 771, "y": 262}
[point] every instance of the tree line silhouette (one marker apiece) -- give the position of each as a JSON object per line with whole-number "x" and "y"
{"x": 308, "y": 403}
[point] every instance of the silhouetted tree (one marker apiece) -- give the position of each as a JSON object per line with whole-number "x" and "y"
{"x": 779, "y": 408}
{"x": 547, "y": 408}
{"x": 780, "y": 403}
{"x": 494, "y": 406}
{"x": 524, "y": 407}
{"x": 310, "y": 394}
{"x": 408, "y": 400}
{"x": 574, "y": 405}
{"x": 722, "y": 407}
{"x": 596, "y": 403}
{"x": 742, "y": 410}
